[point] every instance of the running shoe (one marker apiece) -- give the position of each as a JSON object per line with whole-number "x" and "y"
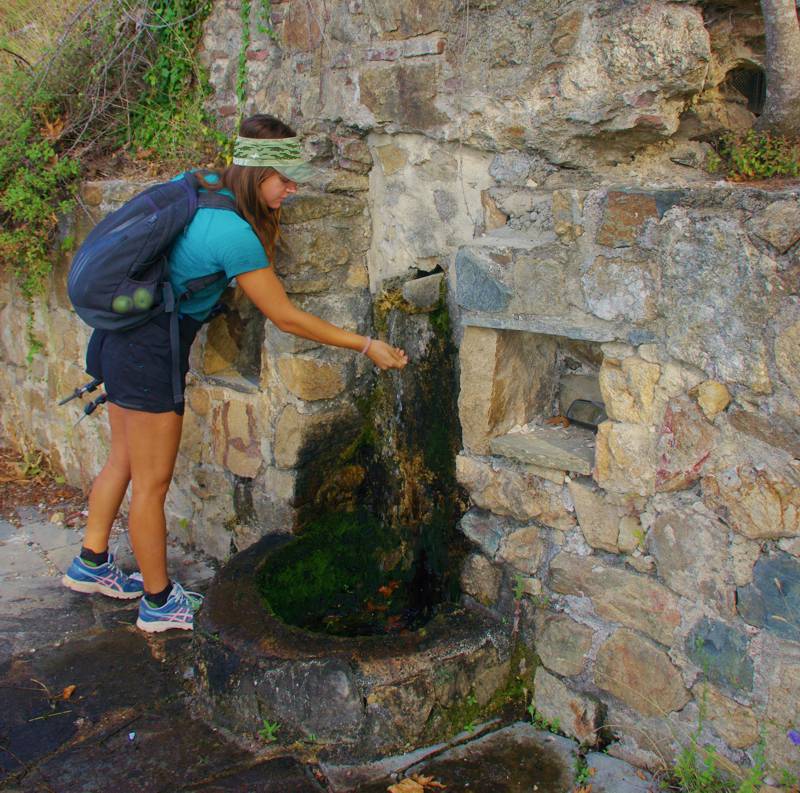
{"x": 107, "y": 579}
{"x": 177, "y": 612}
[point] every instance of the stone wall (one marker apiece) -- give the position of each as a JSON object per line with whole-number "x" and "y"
{"x": 662, "y": 568}
{"x": 260, "y": 404}
{"x": 547, "y": 158}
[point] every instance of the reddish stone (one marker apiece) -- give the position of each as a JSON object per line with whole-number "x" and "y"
{"x": 300, "y": 29}
{"x": 656, "y": 123}
{"x": 684, "y": 445}
{"x": 402, "y": 94}
{"x": 341, "y": 60}
{"x": 645, "y": 99}
{"x": 382, "y": 54}
{"x": 625, "y": 215}
{"x": 257, "y": 55}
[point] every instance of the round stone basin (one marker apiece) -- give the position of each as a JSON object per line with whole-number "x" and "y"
{"x": 357, "y": 697}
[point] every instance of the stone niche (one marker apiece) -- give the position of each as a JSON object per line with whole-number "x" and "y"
{"x": 233, "y": 341}
{"x": 516, "y": 389}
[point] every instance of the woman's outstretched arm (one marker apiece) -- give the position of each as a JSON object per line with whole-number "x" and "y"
{"x": 266, "y": 291}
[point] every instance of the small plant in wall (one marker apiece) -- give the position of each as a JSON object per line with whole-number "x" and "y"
{"x": 268, "y": 732}
{"x": 542, "y": 723}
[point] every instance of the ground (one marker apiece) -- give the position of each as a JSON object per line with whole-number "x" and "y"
{"x": 88, "y": 703}
{"x": 26, "y": 480}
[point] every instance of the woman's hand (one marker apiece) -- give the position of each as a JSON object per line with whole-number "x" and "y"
{"x": 386, "y": 357}
{"x": 264, "y": 288}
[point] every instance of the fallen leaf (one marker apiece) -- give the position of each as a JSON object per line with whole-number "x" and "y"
{"x": 641, "y": 775}
{"x": 68, "y": 691}
{"x": 387, "y": 589}
{"x": 416, "y": 783}
{"x": 406, "y": 786}
{"x": 428, "y": 782}
{"x": 376, "y": 606}
{"x": 561, "y": 421}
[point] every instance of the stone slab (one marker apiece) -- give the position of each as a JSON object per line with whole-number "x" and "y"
{"x": 515, "y": 759}
{"x": 722, "y": 652}
{"x": 7, "y": 530}
{"x": 561, "y": 448}
{"x": 612, "y": 775}
{"x": 772, "y": 600}
{"x": 281, "y": 775}
{"x": 50, "y": 536}
{"x": 423, "y": 293}
{"x": 578, "y": 386}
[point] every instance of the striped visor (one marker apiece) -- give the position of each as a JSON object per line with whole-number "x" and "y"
{"x": 285, "y": 155}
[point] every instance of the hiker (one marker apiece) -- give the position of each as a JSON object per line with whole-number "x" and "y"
{"x": 136, "y": 366}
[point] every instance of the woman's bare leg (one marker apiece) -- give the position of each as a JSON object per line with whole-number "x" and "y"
{"x": 109, "y": 487}
{"x": 152, "y": 442}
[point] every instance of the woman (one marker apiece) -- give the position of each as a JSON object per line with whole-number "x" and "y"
{"x": 135, "y": 366}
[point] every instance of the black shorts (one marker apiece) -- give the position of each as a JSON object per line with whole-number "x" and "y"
{"x": 136, "y": 365}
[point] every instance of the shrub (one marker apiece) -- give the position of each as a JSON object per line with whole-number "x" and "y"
{"x": 120, "y": 76}
{"x": 756, "y": 156}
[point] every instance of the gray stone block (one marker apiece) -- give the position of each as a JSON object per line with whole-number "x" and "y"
{"x": 772, "y": 600}
{"x": 561, "y": 448}
{"x": 612, "y": 775}
{"x": 721, "y": 652}
{"x": 476, "y": 288}
{"x": 424, "y": 292}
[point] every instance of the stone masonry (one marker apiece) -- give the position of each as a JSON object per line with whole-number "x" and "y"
{"x": 547, "y": 159}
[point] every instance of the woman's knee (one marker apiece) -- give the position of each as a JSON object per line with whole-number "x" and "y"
{"x": 117, "y": 466}
{"x": 150, "y": 488}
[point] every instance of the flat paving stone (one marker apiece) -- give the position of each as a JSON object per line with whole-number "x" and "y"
{"x": 281, "y": 775}
{"x": 7, "y": 530}
{"x": 160, "y": 750}
{"x": 20, "y": 560}
{"x": 35, "y": 724}
{"x": 561, "y": 448}
{"x": 50, "y": 536}
{"x": 515, "y": 759}
{"x": 611, "y": 775}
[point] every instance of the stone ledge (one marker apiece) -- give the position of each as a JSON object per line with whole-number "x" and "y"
{"x": 229, "y": 378}
{"x": 560, "y": 448}
{"x": 580, "y": 328}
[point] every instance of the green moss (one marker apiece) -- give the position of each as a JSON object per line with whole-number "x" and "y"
{"x": 440, "y": 316}
{"x": 323, "y": 579}
{"x": 334, "y": 577}
{"x": 367, "y": 439}
{"x": 518, "y": 686}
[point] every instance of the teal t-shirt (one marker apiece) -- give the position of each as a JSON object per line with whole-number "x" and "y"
{"x": 216, "y": 240}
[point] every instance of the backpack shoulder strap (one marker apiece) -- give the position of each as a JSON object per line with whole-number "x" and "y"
{"x": 211, "y": 200}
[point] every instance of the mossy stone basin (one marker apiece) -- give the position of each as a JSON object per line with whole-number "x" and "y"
{"x": 355, "y": 697}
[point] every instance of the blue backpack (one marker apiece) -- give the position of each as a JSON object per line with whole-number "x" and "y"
{"x": 119, "y": 278}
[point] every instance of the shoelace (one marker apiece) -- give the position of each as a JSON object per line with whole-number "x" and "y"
{"x": 112, "y": 555}
{"x": 193, "y": 597}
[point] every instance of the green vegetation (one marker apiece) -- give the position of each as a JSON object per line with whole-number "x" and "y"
{"x": 119, "y": 79}
{"x": 468, "y": 712}
{"x": 542, "y": 723}
{"x": 328, "y": 579}
{"x": 583, "y": 774}
{"x": 697, "y": 770}
{"x": 168, "y": 122}
{"x": 755, "y": 155}
{"x": 268, "y": 732}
